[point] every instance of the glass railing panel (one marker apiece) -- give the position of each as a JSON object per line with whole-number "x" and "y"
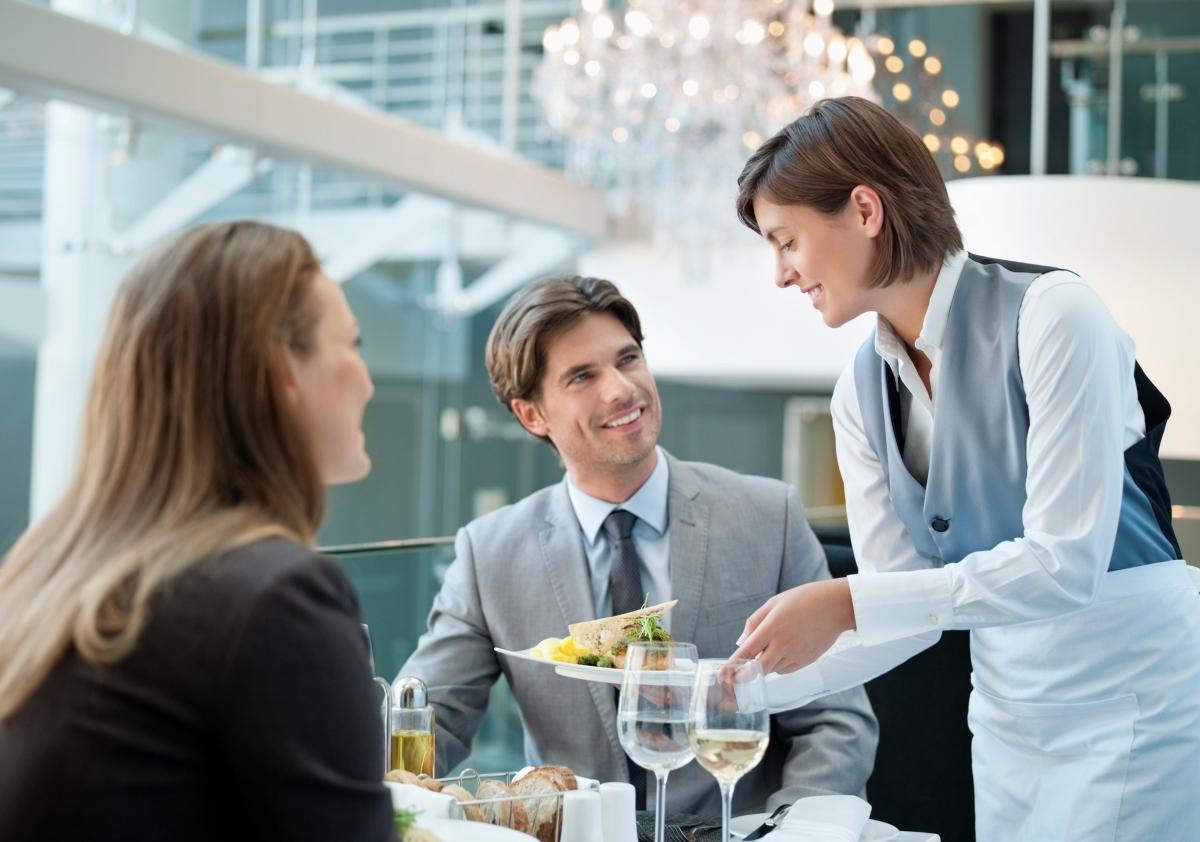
{"x": 396, "y": 583}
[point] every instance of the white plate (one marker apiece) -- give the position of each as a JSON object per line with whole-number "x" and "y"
{"x": 604, "y": 675}
{"x": 873, "y": 832}
{"x": 455, "y": 830}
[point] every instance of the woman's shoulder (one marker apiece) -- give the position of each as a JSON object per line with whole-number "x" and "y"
{"x": 265, "y": 571}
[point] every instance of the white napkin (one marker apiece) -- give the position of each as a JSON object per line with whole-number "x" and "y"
{"x": 824, "y": 818}
{"x": 430, "y": 805}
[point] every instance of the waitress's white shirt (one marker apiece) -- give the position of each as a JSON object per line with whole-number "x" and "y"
{"x": 1077, "y": 367}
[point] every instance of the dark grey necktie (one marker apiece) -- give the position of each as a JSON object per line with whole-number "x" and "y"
{"x": 625, "y": 568}
{"x": 625, "y": 582}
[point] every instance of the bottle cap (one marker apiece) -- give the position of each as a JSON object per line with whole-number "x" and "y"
{"x": 409, "y": 692}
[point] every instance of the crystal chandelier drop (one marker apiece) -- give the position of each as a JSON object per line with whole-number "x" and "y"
{"x": 662, "y": 102}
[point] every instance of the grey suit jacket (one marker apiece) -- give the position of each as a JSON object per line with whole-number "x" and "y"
{"x": 521, "y": 575}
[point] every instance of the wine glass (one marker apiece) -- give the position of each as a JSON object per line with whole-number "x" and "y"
{"x": 730, "y": 724}
{"x": 654, "y": 713}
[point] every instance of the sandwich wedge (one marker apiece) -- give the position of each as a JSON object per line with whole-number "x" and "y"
{"x": 611, "y": 635}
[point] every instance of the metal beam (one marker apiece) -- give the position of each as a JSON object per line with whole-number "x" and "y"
{"x": 375, "y": 241}
{"x": 1040, "y": 98}
{"x": 228, "y": 171}
{"x": 103, "y": 69}
{"x": 413, "y": 18}
{"x": 22, "y": 310}
{"x": 536, "y": 252}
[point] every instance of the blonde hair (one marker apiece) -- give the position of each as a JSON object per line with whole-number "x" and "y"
{"x": 189, "y": 448}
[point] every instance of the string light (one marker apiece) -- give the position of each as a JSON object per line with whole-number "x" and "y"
{"x": 957, "y": 149}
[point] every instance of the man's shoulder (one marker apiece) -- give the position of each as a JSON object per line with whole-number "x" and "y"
{"x": 707, "y": 474}
{"x": 523, "y": 517}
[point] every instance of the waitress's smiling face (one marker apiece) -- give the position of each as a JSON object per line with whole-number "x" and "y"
{"x": 829, "y": 257}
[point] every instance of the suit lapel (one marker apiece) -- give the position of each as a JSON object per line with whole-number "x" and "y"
{"x": 567, "y": 571}
{"x": 687, "y": 518}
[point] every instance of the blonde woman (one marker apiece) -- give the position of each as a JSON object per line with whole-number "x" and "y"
{"x": 175, "y": 660}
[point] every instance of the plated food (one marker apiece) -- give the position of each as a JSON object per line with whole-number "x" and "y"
{"x": 603, "y": 642}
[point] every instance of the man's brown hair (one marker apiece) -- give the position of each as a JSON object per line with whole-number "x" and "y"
{"x": 818, "y": 159}
{"x": 516, "y": 347}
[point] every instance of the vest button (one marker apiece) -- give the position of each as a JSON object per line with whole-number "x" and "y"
{"x": 939, "y": 524}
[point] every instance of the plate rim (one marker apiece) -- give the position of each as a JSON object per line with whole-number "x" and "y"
{"x": 605, "y": 675}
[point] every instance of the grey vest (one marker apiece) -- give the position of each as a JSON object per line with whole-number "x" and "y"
{"x": 975, "y": 491}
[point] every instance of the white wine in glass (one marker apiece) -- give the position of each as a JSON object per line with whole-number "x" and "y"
{"x": 730, "y": 724}
{"x": 654, "y": 713}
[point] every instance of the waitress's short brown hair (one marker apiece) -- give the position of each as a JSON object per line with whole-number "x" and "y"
{"x": 516, "y": 348}
{"x": 818, "y": 159}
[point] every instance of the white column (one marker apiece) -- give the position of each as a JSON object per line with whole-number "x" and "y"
{"x": 78, "y": 275}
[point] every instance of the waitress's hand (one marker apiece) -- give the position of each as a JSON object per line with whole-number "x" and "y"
{"x": 794, "y": 628}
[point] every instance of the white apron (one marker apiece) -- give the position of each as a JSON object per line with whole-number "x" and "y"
{"x": 1087, "y": 726}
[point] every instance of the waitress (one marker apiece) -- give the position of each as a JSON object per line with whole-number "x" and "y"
{"x": 999, "y": 446}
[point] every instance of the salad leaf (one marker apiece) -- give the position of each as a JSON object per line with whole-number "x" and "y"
{"x": 404, "y": 820}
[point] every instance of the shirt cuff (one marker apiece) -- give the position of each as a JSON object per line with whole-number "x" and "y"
{"x": 795, "y": 689}
{"x": 889, "y": 606}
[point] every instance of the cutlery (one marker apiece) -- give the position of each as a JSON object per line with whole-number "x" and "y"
{"x": 769, "y": 825}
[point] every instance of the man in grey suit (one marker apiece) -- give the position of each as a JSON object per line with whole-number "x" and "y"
{"x": 628, "y": 519}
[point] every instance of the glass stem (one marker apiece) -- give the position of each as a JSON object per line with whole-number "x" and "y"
{"x": 726, "y": 809}
{"x": 660, "y": 805}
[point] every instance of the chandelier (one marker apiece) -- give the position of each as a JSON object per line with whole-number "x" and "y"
{"x": 661, "y": 102}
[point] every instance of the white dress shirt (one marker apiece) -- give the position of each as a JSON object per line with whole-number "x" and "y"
{"x": 650, "y": 537}
{"x": 1077, "y": 367}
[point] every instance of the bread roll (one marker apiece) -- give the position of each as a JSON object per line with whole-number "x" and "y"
{"x": 544, "y": 812}
{"x": 402, "y": 776}
{"x": 460, "y": 794}
{"x": 511, "y": 814}
{"x": 431, "y": 784}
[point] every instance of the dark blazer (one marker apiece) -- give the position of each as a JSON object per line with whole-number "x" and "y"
{"x": 245, "y": 711}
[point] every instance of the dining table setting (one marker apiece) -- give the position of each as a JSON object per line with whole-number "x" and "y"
{"x": 673, "y": 708}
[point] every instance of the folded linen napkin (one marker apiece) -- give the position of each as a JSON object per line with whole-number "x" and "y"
{"x": 431, "y": 805}
{"x": 824, "y": 818}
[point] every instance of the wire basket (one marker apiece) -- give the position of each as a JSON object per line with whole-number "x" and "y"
{"x": 539, "y": 815}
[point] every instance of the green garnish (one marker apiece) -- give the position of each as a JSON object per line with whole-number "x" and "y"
{"x": 404, "y": 820}
{"x": 643, "y": 628}
{"x": 606, "y": 661}
{"x": 588, "y": 660}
